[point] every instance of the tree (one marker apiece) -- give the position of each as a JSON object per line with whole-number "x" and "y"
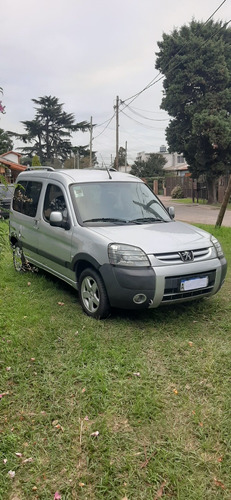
{"x": 2, "y": 108}
{"x": 80, "y": 158}
{"x": 196, "y": 64}
{"x": 49, "y": 133}
{"x": 150, "y": 168}
{"x": 6, "y": 143}
{"x": 35, "y": 161}
{"x": 121, "y": 157}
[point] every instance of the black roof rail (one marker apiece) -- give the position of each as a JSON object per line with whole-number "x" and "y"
{"x": 40, "y": 168}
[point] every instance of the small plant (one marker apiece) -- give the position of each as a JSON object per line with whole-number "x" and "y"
{"x": 177, "y": 192}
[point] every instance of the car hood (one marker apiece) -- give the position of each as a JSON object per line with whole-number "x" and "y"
{"x": 158, "y": 237}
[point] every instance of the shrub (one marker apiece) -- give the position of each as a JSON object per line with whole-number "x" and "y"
{"x": 177, "y": 192}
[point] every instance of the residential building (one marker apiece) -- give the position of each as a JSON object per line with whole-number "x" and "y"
{"x": 175, "y": 162}
{"x": 10, "y": 165}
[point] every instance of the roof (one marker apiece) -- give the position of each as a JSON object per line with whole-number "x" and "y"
{"x": 11, "y": 152}
{"x": 11, "y": 164}
{"x": 181, "y": 167}
{"x": 70, "y": 176}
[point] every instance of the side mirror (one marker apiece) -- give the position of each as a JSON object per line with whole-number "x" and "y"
{"x": 171, "y": 211}
{"x": 56, "y": 219}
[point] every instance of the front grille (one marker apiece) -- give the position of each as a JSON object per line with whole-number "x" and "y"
{"x": 172, "y": 286}
{"x": 175, "y": 258}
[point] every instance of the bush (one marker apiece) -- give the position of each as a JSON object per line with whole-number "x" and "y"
{"x": 177, "y": 192}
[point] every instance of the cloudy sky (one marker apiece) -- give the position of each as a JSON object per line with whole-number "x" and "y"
{"x": 87, "y": 52}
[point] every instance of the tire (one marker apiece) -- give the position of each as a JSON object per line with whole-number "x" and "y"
{"x": 19, "y": 259}
{"x": 92, "y": 294}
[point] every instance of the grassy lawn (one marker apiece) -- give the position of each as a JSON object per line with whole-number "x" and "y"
{"x": 154, "y": 387}
{"x": 186, "y": 201}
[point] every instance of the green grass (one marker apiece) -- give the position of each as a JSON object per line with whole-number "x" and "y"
{"x": 186, "y": 201}
{"x": 163, "y": 434}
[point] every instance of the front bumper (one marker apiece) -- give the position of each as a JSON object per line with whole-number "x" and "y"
{"x": 159, "y": 285}
{"x": 123, "y": 284}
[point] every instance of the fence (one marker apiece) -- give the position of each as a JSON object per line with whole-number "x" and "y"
{"x": 189, "y": 187}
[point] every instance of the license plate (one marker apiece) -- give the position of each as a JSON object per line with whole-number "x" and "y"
{"x": 194, "y": 284}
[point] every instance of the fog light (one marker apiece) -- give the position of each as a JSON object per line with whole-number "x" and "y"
{"x": 139, "y": 298}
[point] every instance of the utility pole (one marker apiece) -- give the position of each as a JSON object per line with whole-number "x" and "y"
{"x": 77, "y": 159}
{"x": 126, "y": 155}
{"x": 116, "y": 107}
{"x": 91, "y": 143}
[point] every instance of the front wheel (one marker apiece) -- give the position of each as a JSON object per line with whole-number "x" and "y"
{"x": 19, "y": 260}
{"x": 92, "y": 294}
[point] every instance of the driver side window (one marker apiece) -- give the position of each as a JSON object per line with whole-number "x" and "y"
{"x": 54, "y": 202}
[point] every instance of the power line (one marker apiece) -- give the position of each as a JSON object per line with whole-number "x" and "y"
{"x": 155, "y": 80}
{"x": 215, "y": 12}
{"x": 146, "y": 118}
{"x": 140, "y": 123}
{"x": 109, "y": 121}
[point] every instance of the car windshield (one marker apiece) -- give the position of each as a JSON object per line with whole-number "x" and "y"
{"x": 119, "y": 203}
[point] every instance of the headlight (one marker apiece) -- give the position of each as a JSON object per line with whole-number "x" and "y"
{"x": 127, "y": 255}
{"x": 218, "y": 247}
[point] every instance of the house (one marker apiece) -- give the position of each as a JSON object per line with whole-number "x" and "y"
{"x": 175, "y": 162}
{"x": 10, "y": 165}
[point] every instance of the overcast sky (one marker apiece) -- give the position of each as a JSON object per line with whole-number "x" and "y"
{"x": 87, "y": 52}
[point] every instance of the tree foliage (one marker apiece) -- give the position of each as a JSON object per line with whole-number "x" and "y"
{"x": 150, "y": 168}
{"x": 2, "y": 108}
{"x": 196, "y": 64}
{"x": 49, "y": 134}
{"x": 6, "y": 143}
{"x": 35, "y": 161}
{"x": 121, "y": 157}
{"x": 80, "y": 158}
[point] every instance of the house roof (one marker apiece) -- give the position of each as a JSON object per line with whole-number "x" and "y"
{"x": 11, "y": 164}
{"x": 182, "y": 167}
{"x": 11, "y": 152}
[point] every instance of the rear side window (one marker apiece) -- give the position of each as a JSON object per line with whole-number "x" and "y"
{"x": 26, "y": 197}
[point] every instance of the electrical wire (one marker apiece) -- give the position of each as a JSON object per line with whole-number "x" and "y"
{"x": 144, "y": 125}
{"x": 109, "y": 121}
{"x": 156, "y": 79}
{"x": 148, "y": 110}
{"x": 146, "y": 118}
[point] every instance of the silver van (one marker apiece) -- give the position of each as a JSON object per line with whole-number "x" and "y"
{"x": 108, "y": 236}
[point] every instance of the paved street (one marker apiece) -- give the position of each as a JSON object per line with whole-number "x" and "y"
{"x": 192, "y": 212}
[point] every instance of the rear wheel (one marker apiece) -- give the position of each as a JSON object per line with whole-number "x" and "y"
{"x": 92, "y": 294}
{"x": 19, "y": 259}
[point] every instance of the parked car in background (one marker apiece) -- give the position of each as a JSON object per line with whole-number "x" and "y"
{"x": 6, "y": 195}
{"x": 108, "y": 235}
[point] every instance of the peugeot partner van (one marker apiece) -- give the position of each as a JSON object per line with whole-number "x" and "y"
{"x": 108, "y": 236}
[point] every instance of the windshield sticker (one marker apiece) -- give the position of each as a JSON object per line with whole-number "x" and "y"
{"x": 78, "y": 192}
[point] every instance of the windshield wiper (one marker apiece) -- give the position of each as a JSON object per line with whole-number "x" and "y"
{"x": 107, "y": 219}
{"x": 147, "y": 220}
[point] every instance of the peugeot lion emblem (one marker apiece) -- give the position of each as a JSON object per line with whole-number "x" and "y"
{"x": 186, "y": 256}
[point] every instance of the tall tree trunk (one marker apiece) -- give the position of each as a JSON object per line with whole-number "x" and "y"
{"x": 224, "y": 204}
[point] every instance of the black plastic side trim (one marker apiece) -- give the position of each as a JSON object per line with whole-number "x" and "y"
{"x": 86, "y": 257}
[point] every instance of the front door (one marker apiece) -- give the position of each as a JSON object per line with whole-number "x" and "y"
{"x": 54, "y": 243}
